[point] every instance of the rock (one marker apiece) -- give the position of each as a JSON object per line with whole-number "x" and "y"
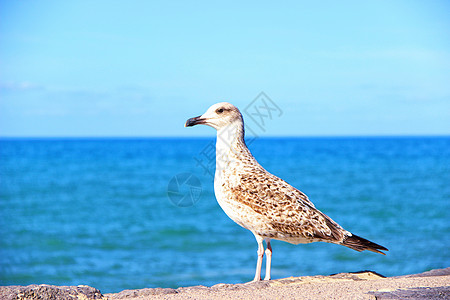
{"x": 427, "y": 293}
{"x": 435, "y": 272}
{"x": 49, "y": 292}
{"x": 429, "y": 285}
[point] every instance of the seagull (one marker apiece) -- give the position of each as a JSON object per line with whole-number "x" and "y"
{"x": 261, "y": 202}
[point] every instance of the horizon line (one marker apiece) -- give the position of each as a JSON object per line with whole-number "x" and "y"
{"x": 125, "y": 137}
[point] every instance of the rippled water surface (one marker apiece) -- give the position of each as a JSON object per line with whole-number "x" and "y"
{"x": 97, "y": 211}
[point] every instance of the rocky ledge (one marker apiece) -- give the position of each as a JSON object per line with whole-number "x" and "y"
{"x": 434, "y": 284}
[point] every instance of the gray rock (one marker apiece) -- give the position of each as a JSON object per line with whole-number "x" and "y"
{"x": 49, "y": 292}
{"x": 435, "y": 272}
{"x": 428, "y": 293}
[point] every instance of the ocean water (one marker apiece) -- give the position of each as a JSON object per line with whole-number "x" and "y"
{"x": 98, "y": 211}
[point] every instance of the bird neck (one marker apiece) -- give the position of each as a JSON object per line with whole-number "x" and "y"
{"x": 230, "y": 146}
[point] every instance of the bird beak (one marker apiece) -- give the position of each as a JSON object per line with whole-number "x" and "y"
{"x": 195, "y": 121}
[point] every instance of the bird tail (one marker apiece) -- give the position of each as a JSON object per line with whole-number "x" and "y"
{"x": 360, "y": 244}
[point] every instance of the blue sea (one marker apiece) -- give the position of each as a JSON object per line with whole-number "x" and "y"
{"x": 134, "y": 213}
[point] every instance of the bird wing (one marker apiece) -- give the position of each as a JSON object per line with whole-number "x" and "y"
{"x": 287, "y": 210}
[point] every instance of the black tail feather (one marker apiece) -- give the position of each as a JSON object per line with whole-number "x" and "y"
{"x": 360, "y": 244}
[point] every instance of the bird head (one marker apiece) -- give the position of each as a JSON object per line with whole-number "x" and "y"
{"x": 217, "y": 116}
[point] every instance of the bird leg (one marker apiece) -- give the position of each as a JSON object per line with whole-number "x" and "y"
{"x": 268, "y": 260}
{"x": 260, "y": 258}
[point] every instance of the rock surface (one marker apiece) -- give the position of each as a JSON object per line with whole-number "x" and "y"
{"x": 49, "y": 292}
{"x": 434, "y": 284}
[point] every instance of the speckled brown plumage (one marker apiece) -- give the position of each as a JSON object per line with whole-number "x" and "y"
{"x": 261, "y": 202}
{"x": 287, "y": 211}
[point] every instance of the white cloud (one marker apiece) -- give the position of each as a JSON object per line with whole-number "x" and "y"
{"x": 19, "y": 86}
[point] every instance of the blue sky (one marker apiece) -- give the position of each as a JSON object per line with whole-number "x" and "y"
{"x": 141, "y": 68}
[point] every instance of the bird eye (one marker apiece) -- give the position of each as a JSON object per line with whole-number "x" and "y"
{"x": 219, "y": 111}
